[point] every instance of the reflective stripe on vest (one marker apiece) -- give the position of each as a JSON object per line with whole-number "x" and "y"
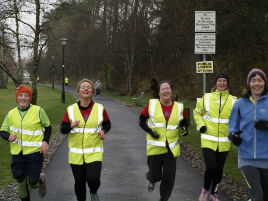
{"x": 156, "y": 143}
{"x": 86, "y": 150}
{"x": 86, "y": 130}
{"x": 26, "y": 132}
{"x": 174, "y": 144}
{"x": 162, "y": 125}
{"x": 27, "y": 144}
{"x": 162, "y": 144}
{"x": 214, "y": 120}
{"x": 152, "y": 123}
{"x": 214, "y": 138}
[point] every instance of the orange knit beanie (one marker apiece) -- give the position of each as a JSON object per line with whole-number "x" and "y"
{"x": 23, "y": 89}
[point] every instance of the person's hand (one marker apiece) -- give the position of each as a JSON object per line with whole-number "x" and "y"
{"x": 12, "y": 137}
{"x": 203, "y": 129}
{"x": 102, "y": 134}
{"x": 235, "y": 138}
{"x": 154, "y": 135}
{"x": 44, "y": 148}
{"x": 184, "y": 131}
{"x": 261, "y": 124}
{"x": 75, "y": 123}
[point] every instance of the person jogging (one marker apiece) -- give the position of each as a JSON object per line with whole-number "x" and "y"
{"x": 248, "y": 129}
{"x": 161, "y": 119}
{"x": 98, "y": 86}
{"x": 28, "y": 130}
{"x": 211, "y": 116}
{"x": 66, "y": 81}
{"x": 88, "y": 123}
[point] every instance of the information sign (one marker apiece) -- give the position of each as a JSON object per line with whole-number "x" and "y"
{"x": 205, "y": 43}
{"x": 204, "y": 67}
{"x": 205, "y": 21}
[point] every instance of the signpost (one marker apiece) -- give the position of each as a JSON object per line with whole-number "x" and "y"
{"x": 205, "y": 36}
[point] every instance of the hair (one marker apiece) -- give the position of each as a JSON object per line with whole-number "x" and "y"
{"x": 85, "y": 80}
{"x": 165, "y": 81}
{"x": 154, "y": 87}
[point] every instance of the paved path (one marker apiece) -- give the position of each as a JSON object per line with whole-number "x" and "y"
{"x": 124, "y": 165}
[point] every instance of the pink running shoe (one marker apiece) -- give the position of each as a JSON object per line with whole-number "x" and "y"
{"x": 203, "y": 195}
{"x": 214, "y": 197}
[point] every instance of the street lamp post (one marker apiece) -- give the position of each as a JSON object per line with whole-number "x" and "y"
{"x": 63, "y": 43}
{"x": 53, "y": 70}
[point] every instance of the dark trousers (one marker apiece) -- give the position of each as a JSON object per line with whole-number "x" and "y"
{"x": 162, "y": 168}
{"x": 97, "y": 92}
{"x": 214, "y": 161}
{"x": 257, "y": 182}
{"x": 87, "y": 173}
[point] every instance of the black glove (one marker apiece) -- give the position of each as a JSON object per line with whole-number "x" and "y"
{"x": 154, "y": 135}
{"x": 261, "y": 124}
{"x": 235, "y": 138}
{"x": 184, "y": 131}
{"x": 203, "y": 129}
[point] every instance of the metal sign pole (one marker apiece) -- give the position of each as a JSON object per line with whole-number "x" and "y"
{"x": 204, "y": 77}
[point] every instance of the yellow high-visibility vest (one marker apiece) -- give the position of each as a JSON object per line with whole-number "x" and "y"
{"x": 66, "y": 80}
{"x": 28, "y": 130}
{"x": 216, "y": 109}
{"x": 85, "y": 145}
{"x": 167, "y": 131}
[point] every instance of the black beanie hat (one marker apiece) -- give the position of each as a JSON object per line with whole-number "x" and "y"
{"x": 222, "y": 75}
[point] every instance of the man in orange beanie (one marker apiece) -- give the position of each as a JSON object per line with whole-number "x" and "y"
{"x": 28, "y": 130}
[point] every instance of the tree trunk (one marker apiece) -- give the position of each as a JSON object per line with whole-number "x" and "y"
{"x": 20, "y": 70}
{"x": 36, "y": 51}
{"x": 3, "y": 80}
{"x": 131, "y": 55}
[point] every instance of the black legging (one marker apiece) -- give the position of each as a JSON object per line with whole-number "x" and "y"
{"x": 214, "y": 161}
{"x": 162, "y": 168}
{"x": 88, "y": 173}
{"x": 257, "y": 182}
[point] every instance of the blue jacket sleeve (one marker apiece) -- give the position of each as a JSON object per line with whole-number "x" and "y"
{"x": 234, "y": 119}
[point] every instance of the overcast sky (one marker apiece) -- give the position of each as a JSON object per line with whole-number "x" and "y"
{"x": 30, "y": 19}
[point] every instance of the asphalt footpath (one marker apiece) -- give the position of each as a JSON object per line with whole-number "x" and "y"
{"x": 124, "y": 164}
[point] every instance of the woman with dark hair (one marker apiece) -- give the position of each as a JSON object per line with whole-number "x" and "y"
{"x": 161, "y": 119}
{"x": 248, "y": 129}
{"x": 211, "y": 116}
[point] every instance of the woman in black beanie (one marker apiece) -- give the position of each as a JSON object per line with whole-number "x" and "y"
{"x": 211, "y": 116}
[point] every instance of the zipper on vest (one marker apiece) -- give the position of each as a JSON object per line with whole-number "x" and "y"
{"x": 254, "y": 130}
{"x": 21, "y": 136}
{"x": 83, "y": 143}
{"x": 21, "y": 127}
{"x": 219, "y": 123}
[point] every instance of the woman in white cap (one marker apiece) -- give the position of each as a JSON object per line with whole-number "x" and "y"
{"x": 248, "y": 129}
{"x": 211, "y": 115}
